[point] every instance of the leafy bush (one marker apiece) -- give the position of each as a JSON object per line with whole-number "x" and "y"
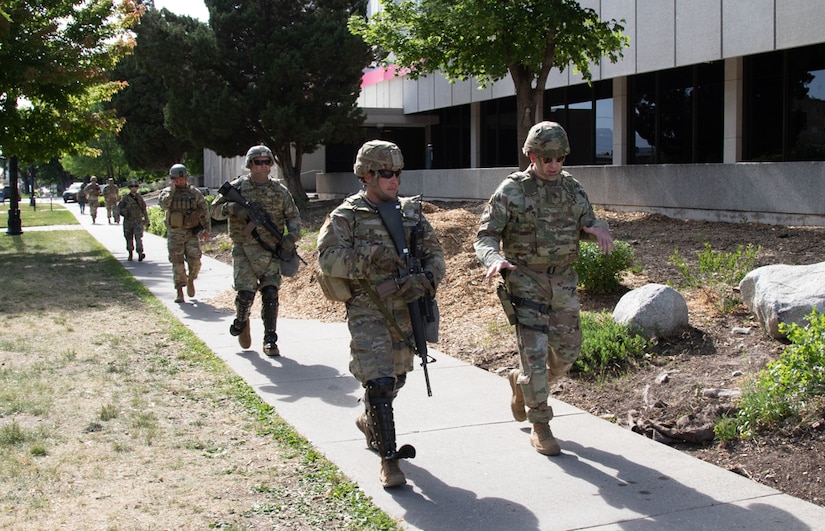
{"x": 790, "y": 388}
{"x": 156, "y": 221}
{"x": 599, "y": 272}
{"x": 608, "y": 347}
{"x": 717, "y": 267}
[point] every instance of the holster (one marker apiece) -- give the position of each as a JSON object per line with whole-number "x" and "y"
{"x": 506, "y": 303}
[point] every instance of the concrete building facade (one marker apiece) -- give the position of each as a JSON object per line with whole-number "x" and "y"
{"x": 716, "y": 111}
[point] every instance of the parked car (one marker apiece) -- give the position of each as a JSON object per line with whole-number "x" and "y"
{"x": 70, "y": 193}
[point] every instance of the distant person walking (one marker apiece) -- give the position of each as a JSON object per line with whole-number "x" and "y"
{"x": 81, "y": 198}
{"x": 187, "y": 219}
{"x": 529, "y": 234}
{"x": 92, "y": 193}
{"x": 255, "y": 251}
{"x": 111, "y": 195}
{"x": 132, "y": 208}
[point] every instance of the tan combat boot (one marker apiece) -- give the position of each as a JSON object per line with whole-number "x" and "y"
{"x": 517, "y": 400}
{"x": 363, "y": 425}
{"x": 245, "y": 339}
{"x": 179, "y": 297}
{"x": 391, "y": 475}
{"x": 190, "y": 287}
{"x": 542, "y": 439}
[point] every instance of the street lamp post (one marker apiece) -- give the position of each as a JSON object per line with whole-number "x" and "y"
{"x": 15, "y": 227}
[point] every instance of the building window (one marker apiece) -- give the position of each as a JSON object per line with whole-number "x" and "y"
{"x": 499, "y": 138}
{"x": 451, "y": 138}
{"x": 676, "y": 116}
{"x": 784, "y": 116}
{"x": 586, "y": 113}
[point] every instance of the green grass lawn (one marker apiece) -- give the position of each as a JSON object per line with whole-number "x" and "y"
{"x": 47, "y": 213}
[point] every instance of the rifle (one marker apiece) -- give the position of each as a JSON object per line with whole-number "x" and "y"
{"x": 260, "y": 219}
{"x": 421, "y": 309}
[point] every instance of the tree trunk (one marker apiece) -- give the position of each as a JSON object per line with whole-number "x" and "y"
{"x": 529, "y": 109}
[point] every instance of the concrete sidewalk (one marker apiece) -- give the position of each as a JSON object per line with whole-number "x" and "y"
{"x": 475, "y": 467}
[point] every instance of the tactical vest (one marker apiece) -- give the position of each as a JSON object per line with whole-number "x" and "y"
{"x": 368, "y": 227}
{"x": 182, "y": 212}
{"x": 546, "y": 232}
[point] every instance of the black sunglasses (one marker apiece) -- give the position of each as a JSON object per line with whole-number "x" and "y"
{"x": 262, "y": 162}
{"x": 548, "y": 160}
{"x": 388, "y": 174}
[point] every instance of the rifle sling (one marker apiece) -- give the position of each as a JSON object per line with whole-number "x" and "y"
{"x": 368, "y": 289}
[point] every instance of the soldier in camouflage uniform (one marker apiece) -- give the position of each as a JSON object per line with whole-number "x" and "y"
{"x": 111, "y": 195}
{"x": 354, "y": 246}
{"x": 187, "y": 219}
{"x": 132, "y": 209}
{"x": 255, "y": 262}
{"x": 92, "y": 192}
{"x": 529, "y": 233}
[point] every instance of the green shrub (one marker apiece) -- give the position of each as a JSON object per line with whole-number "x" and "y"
{"x": 599, "y": 272}
{"x": 608, "y": 347}
{"x": 717, "y": 267}
{"x": 790, "y": 388}
{"x": 157, "y": 224}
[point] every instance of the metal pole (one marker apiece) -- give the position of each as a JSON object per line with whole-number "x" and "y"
{"x": 15, "y": 225}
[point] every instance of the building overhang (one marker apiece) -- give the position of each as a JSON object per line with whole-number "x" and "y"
{"x": 394, "y": 117}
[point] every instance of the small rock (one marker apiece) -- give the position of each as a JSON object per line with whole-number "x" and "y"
{"x": 721, "y": 393}
{"x": 744, "y": 330}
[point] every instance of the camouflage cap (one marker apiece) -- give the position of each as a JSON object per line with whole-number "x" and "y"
{"x": 93, "y": 179}
{"x": 377, "y": 155}
{"x": 547, "y": 139}
{"x": 133, "y": 183}
{"x": 258, "y": 151}
{"x": 178, "y": 170}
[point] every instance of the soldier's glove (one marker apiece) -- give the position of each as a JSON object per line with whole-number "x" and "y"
{"x": 288, "y": 243}
{"x": 415, "y": 286}
{"x": 234, "y": 209}
{"x": 385, "y": 259}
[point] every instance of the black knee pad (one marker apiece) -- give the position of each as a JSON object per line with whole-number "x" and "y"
{"x": 246, "y": 297}
{"x": 380, "y": 389}
{"x": 400, "y": 380}
{"x": 269, "y": 294}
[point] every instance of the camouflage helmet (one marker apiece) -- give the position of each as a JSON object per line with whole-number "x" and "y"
{"x": 547, "y": 139}
{"x": 133, "y": 183}
{"x": 258, "y": 151}
{"x": 377, "y": 155}
{"x": 178, "y": 170}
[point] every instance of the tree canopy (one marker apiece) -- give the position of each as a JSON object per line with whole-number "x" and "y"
{"x": 147, "y": 144}
{"x": 285, "y": 73}
{"x": 56, "y": 56}
{"x": 488, "y": 39}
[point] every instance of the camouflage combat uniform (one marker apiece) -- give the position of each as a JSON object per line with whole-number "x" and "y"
{"x": 186, "y": 215}
{"x": 538, "y": 225}
{"x": 254, "y": 266}
{"x": 344, "y": 246}
{"x": 132, "y": 209}
{"x": 111, "y": 196}
{"x": 92, "y": 192}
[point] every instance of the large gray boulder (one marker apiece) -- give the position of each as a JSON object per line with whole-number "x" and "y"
{"x": 655, "y": 310}
{"x": 784, "y": 294}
